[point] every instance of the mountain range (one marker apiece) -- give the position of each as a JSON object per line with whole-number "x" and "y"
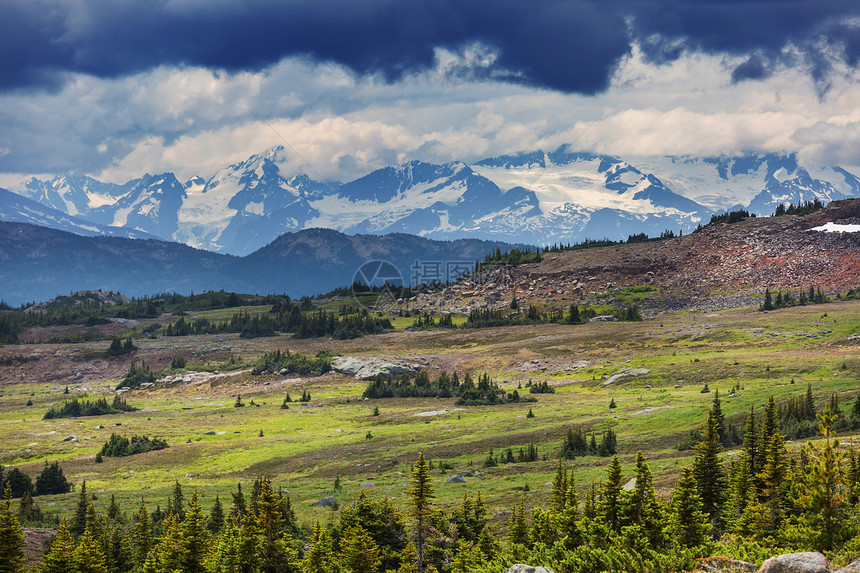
{"x": 37, "y": 263}
{"x": 532, "y": 198}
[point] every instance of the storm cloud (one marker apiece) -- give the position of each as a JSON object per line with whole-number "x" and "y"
{"x": 571, "y": 46}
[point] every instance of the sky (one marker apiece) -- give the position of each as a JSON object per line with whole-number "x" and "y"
{"x": 118, "y": 88}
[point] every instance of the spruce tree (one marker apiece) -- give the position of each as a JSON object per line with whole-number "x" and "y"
{"x": 689, "y": 523}
{"x": 518, "y": 529}
{"x": 421, "y": 496}
{"x": 142, "y": 534}
{"x": 559, "y": 488}
{"x": 709, "y": 473}
{"x": 821, "y": 497}
{"x": 719, "y": 417}
{"x": 359, "y": 552}
{"x": 89, "y": 557}
{"x": 176, "y": 505}
{"x": 641, "y": 507}
{"x": 751, "y": 442}
{"x": 769, "y": 426}
{"x": 79, "y": 523}
{"x": 320, "y": 558}
{"x": 195, "y": 538}
{"x": 216, "y": 517}
{"x": 59, "y": 556}
{"x": 11, "y": 537}
{"x": 609, "y": 502}
{"x": 772, "y": 477}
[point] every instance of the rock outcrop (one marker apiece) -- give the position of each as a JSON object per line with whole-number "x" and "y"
{"x": 368, "y": 368}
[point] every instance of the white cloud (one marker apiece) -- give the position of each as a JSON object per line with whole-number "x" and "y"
{"x": 194, "y": 120}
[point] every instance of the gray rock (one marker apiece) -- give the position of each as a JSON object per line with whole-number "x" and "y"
{"x": 629, "y": 485}
{"x": 368, "y": 484}
{"x": 210, "y": 433}
{"x": 521, "y": 568}
{"x": 726, "y": 565}
{"x": 851, "y": 568}
{"x": 466, "y": 474}
{"x": 456, "y": 478}
{"x": 325, "y": 502}
{"x": 601, "y": 318}
{"x": 806, "y": 562}
{"x": 370, "y": 367}
{"x": 70, "y": 439}
{"x": 504, "y": 513}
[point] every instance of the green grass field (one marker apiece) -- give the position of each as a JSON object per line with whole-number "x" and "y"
{"x": 304, "y": 448}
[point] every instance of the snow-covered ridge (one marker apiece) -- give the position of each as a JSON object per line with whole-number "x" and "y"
{"x": 537, "y": 197}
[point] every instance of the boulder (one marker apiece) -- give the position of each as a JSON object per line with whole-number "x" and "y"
{"x": 456, "y": 478}
{"x": 629, "y": 486}
{"x": 325, "y": 502}
{"x": 853, "y": 567}
{"x": 70, "y": 439}
{"x": 719, "y": 564}
{"x": 369, "y": 368}
{"x": 521, "y": 568}
{"x": 368, "y": 484}
{"x": 806, "y": 562}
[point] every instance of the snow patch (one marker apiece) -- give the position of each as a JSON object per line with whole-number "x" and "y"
{"x": 837, "y": 228}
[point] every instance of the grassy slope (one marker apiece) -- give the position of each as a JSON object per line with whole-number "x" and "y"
{"x": 305, "y": 448}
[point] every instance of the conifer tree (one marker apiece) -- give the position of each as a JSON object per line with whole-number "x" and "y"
{"x": 11, "y": 536}
{"x": 359, "y": 552}
{"x": 89, "y": 557}
{"x": 768, "y": 429}
{"x": 194, "y": 538}
{"x": 518, "y": 528}
{"x": 320, "y": 557}
{"x": 820, "y": 494}
{"x": 709, "y": 473}
{"x": 239, "y": 506}
{"x": 59, "y": 556}
{"x": 751, "y": 442}
{"x": 176, "y": 505}
{"x": 237, "y": 550}
{"x": 719, "y": 417}
{"x": 609, "y": 502}
{"x": 772, "y": 477}
{"x": 689, "y": 523}
{"x": 142, "y": 534}
{"x": 421, "y": 496}
{"x": 559, "y": 488}
{"x": 79, "y": 523}
{"x": 216, "y": 517}
{"x": 642, "y": 508}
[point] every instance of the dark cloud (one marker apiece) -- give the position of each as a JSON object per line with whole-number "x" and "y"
{"x": 569, "y": 45}
{"x": 753, "y": 68}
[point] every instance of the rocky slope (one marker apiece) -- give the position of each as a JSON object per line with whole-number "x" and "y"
{"x": 722, "y": 265}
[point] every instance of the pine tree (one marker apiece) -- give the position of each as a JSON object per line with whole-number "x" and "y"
{"x": 11, "y": 536}
{"x": 609, "y": 502}
{"x": 719, "y": 417}
{"x": 359, "y": 552}
{"x": 59, "y": 556}
{"x": 421, "y": 496}
{"x": 319, "y": 557}
{"x": 79, "y": 523}
{"x": 820, "y": 494}
{"x": 195, "y": 538}
{"x": 772, "y": 477}
{"x": 642, "y": 508}
{"x": 810, "y": 403}
{"x": 751, "y": 442}
{"x": 768, "y": 301}
{"x": 216, "y": 517}
{"x": 709, "y": 473}
{"x": 559, "y": 488}
{"x": 89, "y": 557}
{"x": 237, "y": 550}
{"x": 689, "y": 523}
{"x": 518, "y": 528}
{"x": 176, "y": 505}
{"x": 239, "y": 507}
{"x": 768, "y": 429}
{"x": 142, "y": 534}
{"x": 52, "y": 480}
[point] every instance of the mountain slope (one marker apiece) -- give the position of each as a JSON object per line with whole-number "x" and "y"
{"x": 36, "y": 263}
{"x": 17, "y": 209}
